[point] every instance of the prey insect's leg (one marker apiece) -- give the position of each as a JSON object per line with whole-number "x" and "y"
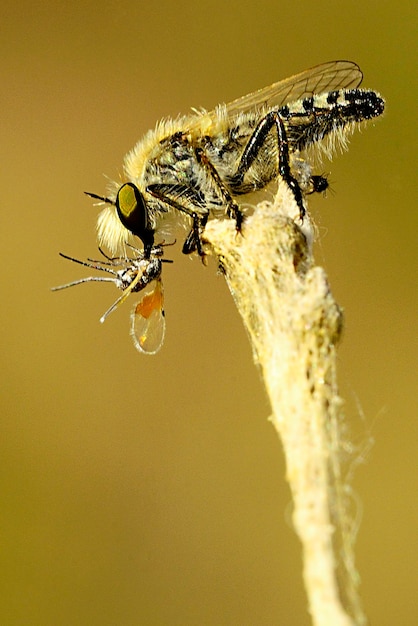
{"x": 232, "y": 208}
{"x": 253, "y": 147}
{"x": 193, "y": 241}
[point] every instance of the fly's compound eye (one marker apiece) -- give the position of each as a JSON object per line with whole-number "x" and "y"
{"x": 132, "y": 212}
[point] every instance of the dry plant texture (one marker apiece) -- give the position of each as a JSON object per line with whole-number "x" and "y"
{"x": 294, "y": 325}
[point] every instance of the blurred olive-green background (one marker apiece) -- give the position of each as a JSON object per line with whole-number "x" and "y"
{"x": 150, "y": 490}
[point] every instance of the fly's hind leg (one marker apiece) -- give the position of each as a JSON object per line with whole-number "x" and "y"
{"x": 253, "y": 147}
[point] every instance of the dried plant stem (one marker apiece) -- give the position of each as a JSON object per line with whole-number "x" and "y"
{"x": 294, "y": 325}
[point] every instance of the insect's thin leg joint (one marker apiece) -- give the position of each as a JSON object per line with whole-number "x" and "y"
{"x": 194, "y": 238}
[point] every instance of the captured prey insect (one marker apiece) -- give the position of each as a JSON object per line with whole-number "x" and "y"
{"x": 132, "y": 275}
{"x": 196, "y": 166}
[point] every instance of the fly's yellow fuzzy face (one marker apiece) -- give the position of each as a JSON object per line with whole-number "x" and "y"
{"x": 111, "y": 233}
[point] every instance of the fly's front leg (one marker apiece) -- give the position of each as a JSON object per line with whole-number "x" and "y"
{"x": 193, "y": 240}
{"x": 253, "y": 147}
{"x": 232, "y": 208}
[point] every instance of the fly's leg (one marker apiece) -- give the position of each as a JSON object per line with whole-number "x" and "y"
{"x": 193, "y": 240}
{"x": 253, "y": 147}
{"x": 232, "y": 208}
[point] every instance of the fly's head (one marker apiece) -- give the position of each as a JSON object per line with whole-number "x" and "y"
{"x": 127, "y": 215}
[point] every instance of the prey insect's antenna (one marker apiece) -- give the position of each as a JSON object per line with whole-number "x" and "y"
{"x": 96, "y": 265}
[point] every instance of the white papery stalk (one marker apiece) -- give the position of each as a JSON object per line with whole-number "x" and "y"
{"x": 294, "y": 325}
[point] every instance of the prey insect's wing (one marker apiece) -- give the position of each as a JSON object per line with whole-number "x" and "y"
{"x": 325, "y": 77}
{"x": 148, "y": 321}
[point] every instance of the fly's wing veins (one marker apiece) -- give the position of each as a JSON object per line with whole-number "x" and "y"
{"x": 322, "y": 78}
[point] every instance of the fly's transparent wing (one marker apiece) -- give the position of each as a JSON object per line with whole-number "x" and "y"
{"x": 148, "y": 321}
{"x": 329, "y": 76}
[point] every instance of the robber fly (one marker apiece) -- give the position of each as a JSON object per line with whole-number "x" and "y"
{"x": 197, "y": 166}
{"x": 132, "y": 275}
